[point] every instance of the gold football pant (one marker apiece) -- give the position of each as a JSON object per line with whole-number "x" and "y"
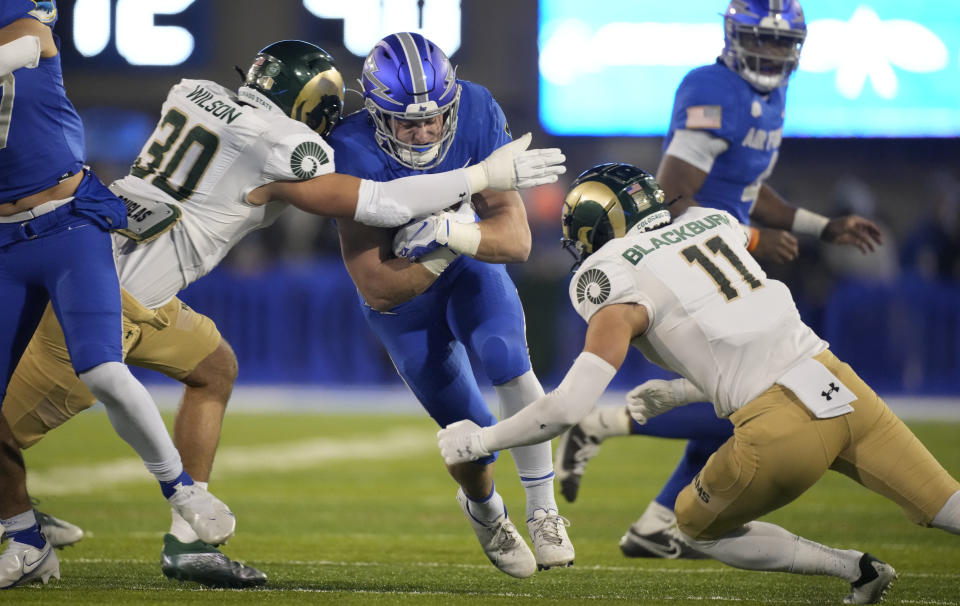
{"x": 779, "y": 450}
{"x": 44, "y": 391}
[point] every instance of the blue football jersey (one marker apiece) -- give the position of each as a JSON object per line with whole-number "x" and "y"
{"x": 481, "y": 128}
{"x": 717, "y": 100}
{"x": 41, "y": 136}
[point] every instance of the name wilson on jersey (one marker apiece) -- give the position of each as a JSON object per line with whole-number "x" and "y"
{"x": 218, "y": 108}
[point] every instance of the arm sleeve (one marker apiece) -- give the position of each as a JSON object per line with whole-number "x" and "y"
{"x": 697, "y": 147}
{"x": 557, "y": 411}
{"x": 393, "y": 203}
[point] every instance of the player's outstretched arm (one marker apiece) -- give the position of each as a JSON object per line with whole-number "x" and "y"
{"x": 393, "y": 203}
{"x": 607, "y": 341}
{"x": 657, "y": 396}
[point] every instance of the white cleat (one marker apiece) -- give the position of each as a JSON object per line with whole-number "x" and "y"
{"x": 552, "y": 546}
{"x": 209, "y": 517}
{"x": 59, "y": 533}
{"x": 501, "y": 542}
{"x": 21, "y": 564}
{"x": 875, "y": 578}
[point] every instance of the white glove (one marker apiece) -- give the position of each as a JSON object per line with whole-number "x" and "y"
{"x": 457, "y": 229}
{"x": 461, "y": 442}
{"x": 513, "y": 166}
{"x": 657, "y": 396}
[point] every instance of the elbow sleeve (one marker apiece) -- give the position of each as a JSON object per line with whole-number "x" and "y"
{"x": 22, "y": 52}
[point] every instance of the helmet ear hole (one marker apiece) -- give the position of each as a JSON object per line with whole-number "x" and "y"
{"x": 606, "y": 202}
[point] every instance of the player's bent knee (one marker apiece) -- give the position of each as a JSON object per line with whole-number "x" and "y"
{"x": 948, "y": 517}
{"x": 218, "y": 370}
{"x": 693, "y": 519}
{"x": 503, "y": 359}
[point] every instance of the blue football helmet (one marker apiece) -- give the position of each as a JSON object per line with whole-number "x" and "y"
{"x": 408, "y": 77}
{"x": 763, "y": 40}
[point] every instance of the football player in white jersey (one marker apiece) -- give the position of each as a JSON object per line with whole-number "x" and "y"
{"x": 220, "y": 164}
{"x": 690, "y": 297}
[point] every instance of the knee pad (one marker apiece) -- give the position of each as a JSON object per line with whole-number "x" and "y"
{"x": 503, "y": 357}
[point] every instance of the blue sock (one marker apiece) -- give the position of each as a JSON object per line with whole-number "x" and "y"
{"x": 30, "y": 536}
{"x": 168, "y": 488}
{"x": 23, "y": 528}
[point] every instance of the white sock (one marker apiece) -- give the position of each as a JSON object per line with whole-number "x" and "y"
{"x": 949, "y": 516}
{"x": 21, "y": 521}
{"x": 765, "y": 546}
{"x": 655, "y": 518}
{"x": 487, "y": 511}
{"x": 607, "y": 421}
{"x": 179, "y": 527}
{"x": 534, "y": 463}
{"x": 134, "y": 417}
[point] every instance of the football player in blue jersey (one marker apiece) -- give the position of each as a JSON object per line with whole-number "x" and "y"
{"x": 722, "y": 145}
{"x": 55, "y": 217}
{"x": 457, "y": 299}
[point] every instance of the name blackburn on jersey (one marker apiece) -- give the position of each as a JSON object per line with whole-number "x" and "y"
{"x": 218, "y": 108}
{"x": 675, "y": 236}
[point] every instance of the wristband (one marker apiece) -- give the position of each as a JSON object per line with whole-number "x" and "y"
{"x": 810, "y": 223}
{"x": 753, "y": 237}
{"x": 463, "y": 238}
{"x": 436, "y": 261}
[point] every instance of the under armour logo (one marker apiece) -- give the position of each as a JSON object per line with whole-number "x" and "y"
{"x": 423, "y": 108}
{"x": 826, "y": 394}
{"x": 465, "y": 451}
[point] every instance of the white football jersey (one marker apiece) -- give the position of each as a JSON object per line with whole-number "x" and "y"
{"x": 715, "y": 317}
{"x": 206, "y": 154}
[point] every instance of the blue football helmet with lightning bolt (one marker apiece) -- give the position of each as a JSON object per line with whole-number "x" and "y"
{"x": 408, "y": 77}
{"x": 762, "y": 40}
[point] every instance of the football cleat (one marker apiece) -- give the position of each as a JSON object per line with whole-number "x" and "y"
{"x": 665, "y": 543}
{"x": 205, "y": 564}
{"x": 575, "y": 448}
{"x": 21, "y": 564}
{"x": 209, "y": 517}
{"x": 875, "y": 578}
{"x": 551, "y": 545}
{"x": 59, "y": 533}
{"x": 501, "y": 542}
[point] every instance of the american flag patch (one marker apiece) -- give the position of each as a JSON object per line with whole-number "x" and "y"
{"x": 633, "y": 188}
{"x": 704, "y": 116}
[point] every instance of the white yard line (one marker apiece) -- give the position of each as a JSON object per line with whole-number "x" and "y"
{"x": 77, "y": 479}
{"x": 399, "y": 400}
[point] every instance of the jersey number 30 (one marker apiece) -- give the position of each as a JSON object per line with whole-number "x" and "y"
{"x": 206, "y": 142}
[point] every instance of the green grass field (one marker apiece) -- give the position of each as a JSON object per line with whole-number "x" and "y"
{"x": 332, "y": 517}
